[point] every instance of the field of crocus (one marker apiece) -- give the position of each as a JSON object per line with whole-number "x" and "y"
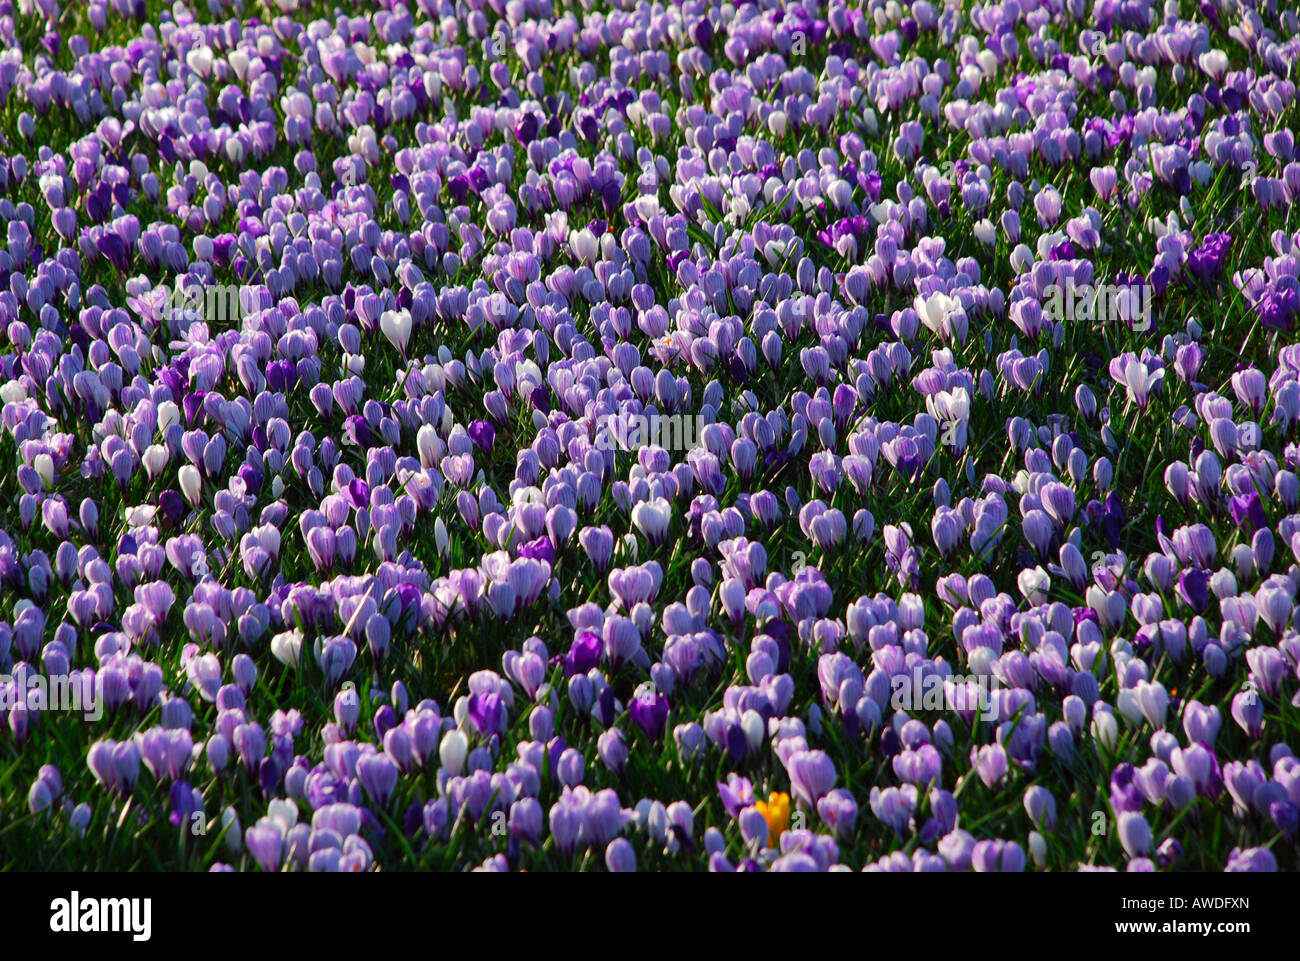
{"x": 615, "y": 435}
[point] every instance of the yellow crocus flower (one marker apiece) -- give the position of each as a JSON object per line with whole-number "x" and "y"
{"x": 776, "y": 812}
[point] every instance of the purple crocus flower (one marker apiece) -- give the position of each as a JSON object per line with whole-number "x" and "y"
{"x": 649, "y": 711}
{"x": 584, "y": 654}
{"x": 736, "y": 793}
{"x": 266, "y": 845}
{"x": 1247, "y": 511}
{"x": 812, "y": 775}
{"x": 486, "y": 711}
{"x": 483, "y": 434}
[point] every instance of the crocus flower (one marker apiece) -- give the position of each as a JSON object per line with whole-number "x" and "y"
{"x": 776, "y": 812}
{"x": 649, "y": 711}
